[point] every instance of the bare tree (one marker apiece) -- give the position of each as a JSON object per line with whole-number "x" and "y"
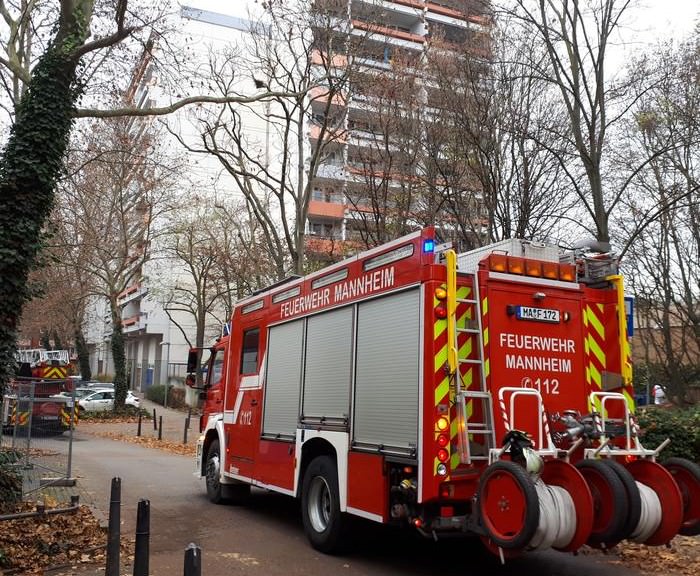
{"x": 576, "y": 35}
{"x": 664, "y": 218}
{"x": 111, "y": 206}
{"x": 299, "y": 53}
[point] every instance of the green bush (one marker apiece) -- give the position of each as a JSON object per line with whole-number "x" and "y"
{"x": 127, "y": 411}
{"x": 176, "y": 395}
{"x": 10, "y": 481}
{"x": 682, "y": 426}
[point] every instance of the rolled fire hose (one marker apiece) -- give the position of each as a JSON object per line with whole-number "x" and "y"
{"x": 557, "y": 517}
{"x": 650, "y": 519}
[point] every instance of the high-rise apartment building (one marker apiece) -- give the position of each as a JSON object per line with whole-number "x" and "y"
{"x": 371, "y": 172}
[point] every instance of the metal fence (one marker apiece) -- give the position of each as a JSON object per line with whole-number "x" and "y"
{"x": 38, "y": 426}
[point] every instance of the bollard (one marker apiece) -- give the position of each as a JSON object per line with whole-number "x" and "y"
{"x": 114, "y": 528}
{"x": 141, "y": 552}
{"x": 184, "y": 438}
{"x": 193, "y": 560}
{"x": 189, "y": 417}
{"x": 160, "y": 427}
{"x": 138, "y": 430}
{"x": 155, "y": 422}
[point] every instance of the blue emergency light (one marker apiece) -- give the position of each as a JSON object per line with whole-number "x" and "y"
{"x": 428, "y": 245}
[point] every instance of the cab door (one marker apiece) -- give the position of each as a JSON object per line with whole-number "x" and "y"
{"x": 245, "y": 406}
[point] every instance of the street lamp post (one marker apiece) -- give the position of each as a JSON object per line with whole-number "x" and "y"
{"x": 167, "y": 365}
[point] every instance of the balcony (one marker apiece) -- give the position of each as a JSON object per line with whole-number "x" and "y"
{"x": 326, "y": 210}
{"x": 133, "y": 292}
{"x": 134, "y": 323}
{"x": 330, "y": 171}
{"x": 399, "y": 34}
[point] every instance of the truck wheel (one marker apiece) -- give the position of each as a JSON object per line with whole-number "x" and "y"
{"x": 634, "y": 500}
{"x": 508, "y": 507}
{"x": 212, "y": 472}
{"x": 610, "y": 505}
{"x": 320, "y": 505}
{"x": 687, "y": 475}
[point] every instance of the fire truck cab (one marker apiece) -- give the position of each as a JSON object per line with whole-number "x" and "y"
{"x": 487, "y": 392}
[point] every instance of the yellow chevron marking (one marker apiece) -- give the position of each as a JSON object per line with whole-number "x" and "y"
{"x": 596, "y": 350}
{"x": 466, "y": 349}
{"x": 441, "y": 358}
{"x": 595, "y": 376}
{"x": 596, "y": 323}
{"x": 600, "y": 307}
{"x": 442, "y": 390}
{"x": 462, "y": 322}
{"x": 438, "y": 328}
{"x": 463, "y": 291}
{"x": 630, "y": 400}
{"x": 487, "y": 368}
{"x": 468, "y": 378}
{"x": 486, "y": 336}
{"x": 588, "y": 375}
{"x": 484, "y": 307}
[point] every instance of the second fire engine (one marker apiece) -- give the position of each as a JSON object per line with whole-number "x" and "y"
{"x": 487, "y": 392}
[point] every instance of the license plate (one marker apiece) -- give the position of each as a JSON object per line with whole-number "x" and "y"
{"x": 49, "y": 417}
{"x": 537, "y": 314}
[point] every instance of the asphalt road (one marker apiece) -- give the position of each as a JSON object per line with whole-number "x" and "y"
{"x": 266, "y": 537}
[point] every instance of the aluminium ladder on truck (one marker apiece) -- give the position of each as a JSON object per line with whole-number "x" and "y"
{"x": 465, "y": 398}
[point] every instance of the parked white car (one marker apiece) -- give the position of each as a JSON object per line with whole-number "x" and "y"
{"x": 102, "y": 400}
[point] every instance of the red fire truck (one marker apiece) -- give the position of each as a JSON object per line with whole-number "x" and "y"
{"x": 487, "y": 392}
{"x": 32, "y": 398}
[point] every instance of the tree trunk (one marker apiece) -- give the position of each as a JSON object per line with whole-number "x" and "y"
{"x": 83, "y": 356}
{"x": 118, "y": 355}
{"x": 30, "y": 164}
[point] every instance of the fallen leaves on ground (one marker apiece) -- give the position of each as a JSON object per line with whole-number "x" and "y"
{"x": 149, "y": 442}
{"x": 30, "y": 545}
{"x": 682, "y": 558}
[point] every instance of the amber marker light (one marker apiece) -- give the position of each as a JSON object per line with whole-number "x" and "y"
{"x": 516, "y": 265}
{"x": 550, "y": 270}
{"x": 497, "y": 262}
{"x": 442, "y": 424}
{"x": 533, "y": 268}
{"x": 567, "y": 272}
{"x": 440, "y": 293}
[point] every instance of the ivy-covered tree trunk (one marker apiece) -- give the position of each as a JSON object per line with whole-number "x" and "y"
{"x": 83, "y": 355}
{"x": 29, "y": 167}
{"x": 118, "y": 356}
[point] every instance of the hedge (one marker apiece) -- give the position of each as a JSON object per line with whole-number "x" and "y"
{"x": 682, "y": 426}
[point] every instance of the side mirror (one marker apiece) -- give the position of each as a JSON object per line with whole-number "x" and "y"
{"x": 191, "y": 380}
{"x": 193, "y": 359}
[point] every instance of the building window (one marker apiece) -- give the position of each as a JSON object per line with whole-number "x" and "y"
{"x": 249, "y": 354}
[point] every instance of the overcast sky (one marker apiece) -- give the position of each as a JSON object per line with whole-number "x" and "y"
{"x": 646, "y": 20}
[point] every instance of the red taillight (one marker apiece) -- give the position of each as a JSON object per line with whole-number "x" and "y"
{"x": 441, "y": 311}
{"x": 443, "y": 455}
{"x": 447, "y": 511}
{"x": 442, "y": 441}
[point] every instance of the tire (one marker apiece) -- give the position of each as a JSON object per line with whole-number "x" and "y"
{"x": 508, "y": 506}
{"x": 687, "y": 475}
{"x": 610, "y": 505}
{"x": 212, "y": 471}
{"x": 324, "y": 524}
{"x": 634, "y": 500}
